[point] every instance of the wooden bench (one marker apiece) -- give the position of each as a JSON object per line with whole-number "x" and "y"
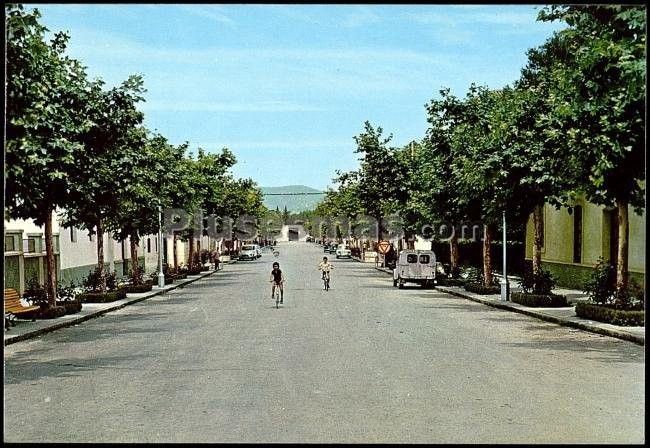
{"x": 13, "y": 307}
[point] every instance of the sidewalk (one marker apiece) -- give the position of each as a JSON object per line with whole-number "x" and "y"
{"x": 565, "y": 316}
{"x": 26, "y": 329}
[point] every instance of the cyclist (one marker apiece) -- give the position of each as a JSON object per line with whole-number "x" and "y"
{"x": 326, "y": 267}
{"x": 277, "y": 279}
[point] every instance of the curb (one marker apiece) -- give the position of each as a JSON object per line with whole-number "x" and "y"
{"x": 549, "y": 318}
{"x": 76, "y": 320}
{"x": 543, "y": 316}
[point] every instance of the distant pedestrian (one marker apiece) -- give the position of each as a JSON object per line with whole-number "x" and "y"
{"x": 215, "y": 259}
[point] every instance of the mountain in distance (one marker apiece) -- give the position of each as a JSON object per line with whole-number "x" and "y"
{"x": 295, "y": 202}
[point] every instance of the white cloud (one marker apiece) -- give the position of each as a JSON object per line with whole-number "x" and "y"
{"x": 211, "y": 12}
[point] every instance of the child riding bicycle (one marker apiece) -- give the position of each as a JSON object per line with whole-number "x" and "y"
{"x": 277, "y": 279}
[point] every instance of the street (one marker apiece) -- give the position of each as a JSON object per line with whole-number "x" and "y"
{"x": 362, "y": 363}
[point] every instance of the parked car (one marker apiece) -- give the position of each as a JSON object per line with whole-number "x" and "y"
{"x": 326, "y": 248}
{"x": 415, "y": 266}
{"x": 248, "y": 252}
{"x": 332, "y": 249}
{"x": 343, "y": 251}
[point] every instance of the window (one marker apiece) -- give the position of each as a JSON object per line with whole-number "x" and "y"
{"x": 9, "y": 244}
{"x": 148, "y": 245}
{"x": 411, "y": 258}
{"x": 73, "y": 234}
{"x": 156, "y": 242}
{"x": 577, "y": 234}
{"x": 424, "y": 259}
{"x": 31, "y": 245}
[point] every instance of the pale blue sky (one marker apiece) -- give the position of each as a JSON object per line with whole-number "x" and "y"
{"x": 287, "y": 87}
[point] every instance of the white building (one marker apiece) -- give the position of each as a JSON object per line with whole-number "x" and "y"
{"x": 75, "y": 253}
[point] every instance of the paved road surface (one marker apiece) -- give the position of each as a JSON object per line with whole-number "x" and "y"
{"x": 364, "y": 362}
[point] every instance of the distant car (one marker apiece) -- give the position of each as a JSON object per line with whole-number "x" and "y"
{"x": 332, "y": 249}
{"x": 248, "y": 252}
{"x": 326, "y": 248}
{"x": 343, "y": 251}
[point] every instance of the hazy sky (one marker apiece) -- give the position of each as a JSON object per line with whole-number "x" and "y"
{"x": 286, "y": 87}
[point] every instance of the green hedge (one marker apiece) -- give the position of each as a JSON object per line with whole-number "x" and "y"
{"x": 450, "y": 282}
{"x": 478, "y": 288}
{"x": 539, "y": 300}
{"x": 71, "y": 306}
{"x": 137, "y": 289}
{"x": 51, "y": 312}
{"x": 98, "y": 297}
{"x": 610, "y": 315}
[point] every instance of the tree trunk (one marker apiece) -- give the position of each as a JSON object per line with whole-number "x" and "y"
{"x": 538, "y": 224}
{"x": 454, "y": 255}
{"x": 100, "y": 255}
{"x": 50, "y": 280}
{"x": 487, "y": 255}
{"x": 135, "y": 267}
{"x": 622, "y": 274}
{"x": 190, "y": 258}
{"x": 174, "y": 238}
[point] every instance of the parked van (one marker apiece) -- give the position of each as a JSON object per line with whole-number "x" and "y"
{"x": 415, "y": 266}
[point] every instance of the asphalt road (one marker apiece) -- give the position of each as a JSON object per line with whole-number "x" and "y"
{"x": 363, "y": 362}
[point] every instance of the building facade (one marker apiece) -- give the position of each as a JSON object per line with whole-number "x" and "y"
{"x": 75, "y": 254}
{"x": 574, "y": 241}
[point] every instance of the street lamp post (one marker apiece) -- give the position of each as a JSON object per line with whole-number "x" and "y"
{"x": 161, "y": 275}
{"x": 504, "y": 280}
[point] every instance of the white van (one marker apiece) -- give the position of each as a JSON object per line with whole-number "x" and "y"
{"x": 415, "y": 266}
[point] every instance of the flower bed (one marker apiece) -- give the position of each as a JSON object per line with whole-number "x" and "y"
{"x": 51, "y": 312}
{"x": 451, "y": 282}
{"x": 98, "y": 297}
{"x": 479, "y": 288}
{"x": 539, "y": 300}
{"x": 71, "y": 306}
{"x": 137, "y": 289}
{"x": 610, "y": 314}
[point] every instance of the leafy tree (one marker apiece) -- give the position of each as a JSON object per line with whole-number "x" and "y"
{"x": 206, "y": 176}
{"x": 157, "y": 182}
{"x": 379, "y": 179}
{"x": 45, "y": 104}
{"x": 598, "y": 106}
{"x": 103, "y": 173}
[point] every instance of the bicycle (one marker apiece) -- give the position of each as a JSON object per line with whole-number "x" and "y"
{"x": 326, "y": 280}
{"x": 276, "y": 294}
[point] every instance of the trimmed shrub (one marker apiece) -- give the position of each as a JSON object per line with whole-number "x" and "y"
{"x": 541, "y": 283}
{"x": 479, "y": 288}
{"x": 98, "y": 297}
{"x": 70, "y": 306}
{"x": 92, "y": 282}
{"x": 602, "y": 283}
{"x": 51, "y": 312}
{"x": 35, "y": 293}
{"x": 610, "y": 314}
{"x": 137, "y": 289}
{"x": 539, "y": 300}
{"x": 451, "y": 282}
